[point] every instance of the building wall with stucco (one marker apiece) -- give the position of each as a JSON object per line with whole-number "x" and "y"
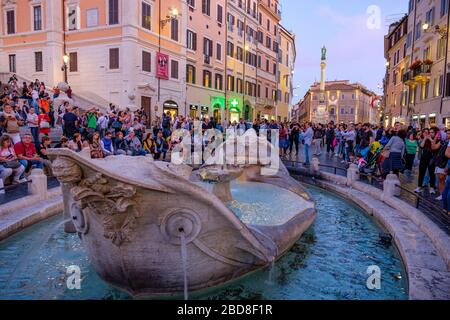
{"x": 87, "y": 32}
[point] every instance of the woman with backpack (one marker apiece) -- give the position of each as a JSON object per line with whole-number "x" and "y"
{"x": 396, "y": 150}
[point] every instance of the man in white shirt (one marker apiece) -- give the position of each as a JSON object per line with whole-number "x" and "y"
{"x": 308, "y": 138}
{"x": 102, "y": 124}
{"x": 33, "y": 124}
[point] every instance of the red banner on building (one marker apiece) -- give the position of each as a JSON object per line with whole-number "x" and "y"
{"x": 162, "y": 66}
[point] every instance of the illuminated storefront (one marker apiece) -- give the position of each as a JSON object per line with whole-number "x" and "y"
{"x": 235, "y": 111}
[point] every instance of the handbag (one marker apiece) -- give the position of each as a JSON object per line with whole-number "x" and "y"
{"x": 96, "y": 154}
{"x": 44, "y": 124}
{"x": 335, "y": 143}
{"x": 13, "y": 164}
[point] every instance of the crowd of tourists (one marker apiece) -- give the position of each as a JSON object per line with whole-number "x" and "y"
{"x": 375, "y": 149}
{"x": 379, "y": 151}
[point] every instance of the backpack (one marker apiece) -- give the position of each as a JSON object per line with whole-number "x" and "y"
{"x": 12, "y": 126}
{"x": 441, "y": 160}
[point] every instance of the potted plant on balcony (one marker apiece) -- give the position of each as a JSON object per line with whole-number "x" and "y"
{"x": 428, "y": 62}
{"x": 415, "y": 65}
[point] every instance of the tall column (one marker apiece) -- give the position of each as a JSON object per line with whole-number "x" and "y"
{"x": 323, "y": 67}
{"x": 55, "y": 36}
{"x": 128, "y": 54}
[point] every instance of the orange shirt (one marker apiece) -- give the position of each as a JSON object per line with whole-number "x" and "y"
{"x": 43, "y": 103}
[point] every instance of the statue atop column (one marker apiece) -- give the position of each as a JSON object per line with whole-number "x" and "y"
{"x": 324, "y": 53}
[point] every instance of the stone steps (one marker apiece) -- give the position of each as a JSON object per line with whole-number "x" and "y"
{"x": 13, "y": 222}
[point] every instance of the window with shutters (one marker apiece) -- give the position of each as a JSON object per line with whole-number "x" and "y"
{"x": 174, "y": 69}
{"x": 219, "y": 82}
{"x": 230, "y": 83}
{"x": 219, "y": 52}
{"x": 268, "y": 42}
{"x": 240, "y": 28}
{"x": 207, "y": 47}
{"x": 191, "y": 40}
{"x": 191, "y": 3}
{"x": 10, "y": 21}
{"x": 12, "y": 63}
{"x": 190, "y": 74}
{"x": 260, "y": 37}
{"x": 207, "y": 79}
{"x": 73, "y": 17}
{"x": 231, "y": 21}
{"x": 219, "y": 13}
{"x": 73, "y": 62}
{"x": 114, "y": 58}
{"x": 146, "y": 61}
{"x": 146, "y": 16}
{"x": 113, "y": 12}
{"x": 444, "y": 7}
{"x": 38, "y": 62}
{"x": 239, "y": 87}
{"x": 206, "y": 7}
{"x": 230, "y": 49}
{"x": 37, "y": 18}
{"x": 174, "y": 29}
{"x": 239, "y": 54}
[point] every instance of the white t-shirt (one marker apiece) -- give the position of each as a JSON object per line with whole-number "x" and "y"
{"x": 32, "y": 117}
{"x": 35, "y": 95}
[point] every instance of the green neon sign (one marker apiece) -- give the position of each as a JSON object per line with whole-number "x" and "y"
{"x": 234, "y": 105}
{"x": 218, "y": 101}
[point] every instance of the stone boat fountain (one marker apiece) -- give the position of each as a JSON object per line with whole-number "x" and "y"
{"x": 137, "y": 217}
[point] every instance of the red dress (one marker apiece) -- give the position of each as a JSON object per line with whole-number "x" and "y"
{"x": 43, "y": 117}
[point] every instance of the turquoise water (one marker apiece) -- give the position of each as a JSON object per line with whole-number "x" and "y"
{"x": 253, "y": 203}
{"x": 329, "y": 262}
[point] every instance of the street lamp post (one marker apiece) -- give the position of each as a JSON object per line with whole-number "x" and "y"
{"x": 65, "y": 66}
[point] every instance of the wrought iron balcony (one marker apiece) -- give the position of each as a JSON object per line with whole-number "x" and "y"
{"x": 422, "y": 73}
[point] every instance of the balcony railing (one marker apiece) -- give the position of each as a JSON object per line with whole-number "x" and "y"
{"x": 421, "y": 73}
{"x": 407, "y": 77}
{"x": 424, "y": 69}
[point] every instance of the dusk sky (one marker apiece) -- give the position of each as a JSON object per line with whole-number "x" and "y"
{"x": 355, "y": 52}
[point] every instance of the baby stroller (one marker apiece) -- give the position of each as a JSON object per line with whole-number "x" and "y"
{"x": 373, "y": 162}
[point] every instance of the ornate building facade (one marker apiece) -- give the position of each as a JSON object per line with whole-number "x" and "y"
{"x": 209, "y": 57}
{"x": 417, "y": 83}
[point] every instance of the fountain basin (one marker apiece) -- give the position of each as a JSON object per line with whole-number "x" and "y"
{"x": 328, "y": 262}
{"x": 132, "y": 214}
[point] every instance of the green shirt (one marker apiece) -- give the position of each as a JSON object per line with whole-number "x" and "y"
{"x": 411, "y": 146}
{"x": 91, "y": 121}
